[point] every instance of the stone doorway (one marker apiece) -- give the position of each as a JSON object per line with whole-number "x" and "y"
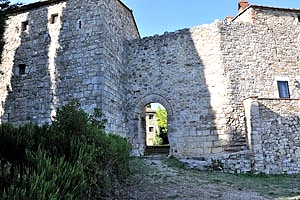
{"x": 155, "y": 119}
{"x": 147, "y": 129}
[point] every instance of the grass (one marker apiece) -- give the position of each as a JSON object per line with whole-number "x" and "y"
{"x": 138, "y": 166}
{"x": 173, "y": 162}
{"x": 280, "y": 186}
{"x": 271, "y": 185}
{"x": 276, "y": 186}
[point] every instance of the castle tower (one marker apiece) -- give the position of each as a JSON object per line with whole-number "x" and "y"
{"x": 58, "y": 50}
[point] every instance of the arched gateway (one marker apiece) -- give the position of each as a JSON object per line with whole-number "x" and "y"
{"x": 227, "y": 95}
{"x": 138, "y": 121}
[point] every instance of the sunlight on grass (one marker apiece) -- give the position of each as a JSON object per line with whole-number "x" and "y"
{"x": 276, "y": 186}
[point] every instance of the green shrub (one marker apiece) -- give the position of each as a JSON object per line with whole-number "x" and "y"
{"x": 72, "y": 158}
{"x": 51, "y": 179}
{"x": 157, "y": 141}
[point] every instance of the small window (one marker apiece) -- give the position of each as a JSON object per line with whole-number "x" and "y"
{"x": 21, "y": 69}
{"x": 79, "y": 24}
{"x": 151, "y": 129}
{"x": 283, "y": 89}
{"x": 150, "y": 116}
{"x": 54, "y": 18}
{"x": 298, "y": 18}
{"x": 24, "y": 26}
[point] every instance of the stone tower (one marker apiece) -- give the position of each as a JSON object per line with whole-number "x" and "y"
{"x": 64, "y": 49}
{"x": 230, "y": 88}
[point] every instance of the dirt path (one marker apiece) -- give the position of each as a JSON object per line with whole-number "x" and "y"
{"x": 157, "y": 180}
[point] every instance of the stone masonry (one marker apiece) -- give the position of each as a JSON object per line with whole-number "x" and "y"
{"x": 220, "y": 83}
{"x": 80, "y": 55}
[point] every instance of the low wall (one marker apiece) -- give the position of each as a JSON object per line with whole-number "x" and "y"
{"x": 274, "y": 134}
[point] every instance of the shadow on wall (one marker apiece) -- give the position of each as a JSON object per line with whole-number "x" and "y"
{"x": 29, "y": 97}
{"x": 47, "y": 70}
{"x": 275, "y": 134}
{"x": 169, "y": 69}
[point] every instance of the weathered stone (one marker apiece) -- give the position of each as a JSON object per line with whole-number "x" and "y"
{"x": 201, "y": 75}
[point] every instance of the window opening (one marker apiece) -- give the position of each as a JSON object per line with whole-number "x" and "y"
{"x": 79, "y": 24}
{"x": 24, "y": 26}
{"x": 22, "y": 69}
{"x": 54, "y": 18}
{"x": 151, "y": 129}
{"x": 150, "y": 116}
{"x": 283, "y": 89}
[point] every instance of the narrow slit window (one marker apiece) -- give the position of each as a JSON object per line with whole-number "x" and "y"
{"x": 24, "y": 26}
{"x": 21, "y": 69}
{"x": 54, "y": 18}
{"x": 283, "y": 89}
{"x": 79, "y": 24}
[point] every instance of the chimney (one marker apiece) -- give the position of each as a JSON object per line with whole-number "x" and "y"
{"x": 243, "y": 4}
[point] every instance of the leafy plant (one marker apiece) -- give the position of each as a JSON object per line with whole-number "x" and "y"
{"x": 157, "y": 140}
{"x": 72, "y": 158}
{"x": 162, "y": 120}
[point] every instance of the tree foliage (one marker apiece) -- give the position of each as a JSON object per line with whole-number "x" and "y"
{"x": 162, "y": 120}
{"x": 71, "y": 159}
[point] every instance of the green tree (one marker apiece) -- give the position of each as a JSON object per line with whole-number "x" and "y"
{"x": 162, "y": 120}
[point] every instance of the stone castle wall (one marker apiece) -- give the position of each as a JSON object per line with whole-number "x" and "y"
{"x": 274, "y": 134}
{"x": 92, "y": 51}
{"x": 185, "y": 69}
{"x": 235, "y": 60}
{"x": 256, "y": 54}
{"x": 120, "y": 28}
{"x": 81, "y": 55}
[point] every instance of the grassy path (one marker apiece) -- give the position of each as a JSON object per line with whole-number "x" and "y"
{"x": 161, "y": 178}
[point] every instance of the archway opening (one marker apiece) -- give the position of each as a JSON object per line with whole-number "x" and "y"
{"x": 155, "y": 119}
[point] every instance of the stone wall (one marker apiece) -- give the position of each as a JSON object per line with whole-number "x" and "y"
{"x": 80, "y": 55}
{"x": 258, "y": 52}
{"x": 29, "y": 35}
{"x": 228, "y": 63}
{"x": 275, "y": 134}
{"x": 119, "y": 28}
{"x": 273, "y": 127}
{"x": 185, "y": 69}
{"x": 92, "y": 51}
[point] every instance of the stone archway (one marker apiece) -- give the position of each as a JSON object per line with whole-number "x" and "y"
{"x": 153, "y": 98}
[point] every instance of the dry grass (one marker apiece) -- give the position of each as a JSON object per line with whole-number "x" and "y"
{"x": 170, "y": 179}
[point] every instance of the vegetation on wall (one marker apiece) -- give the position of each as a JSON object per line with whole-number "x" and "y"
{"x": 71, "y": 159}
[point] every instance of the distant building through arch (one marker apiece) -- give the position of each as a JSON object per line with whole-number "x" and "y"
{"x": 141, "y": 123}
{"x": 230, "y": 87}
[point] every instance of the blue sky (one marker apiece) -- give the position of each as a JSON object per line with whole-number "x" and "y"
{"x": 158, "y": 16}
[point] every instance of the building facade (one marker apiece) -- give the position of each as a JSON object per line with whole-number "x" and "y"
{"x": 151, "y": 126}
{"x": 231, "y": 88}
